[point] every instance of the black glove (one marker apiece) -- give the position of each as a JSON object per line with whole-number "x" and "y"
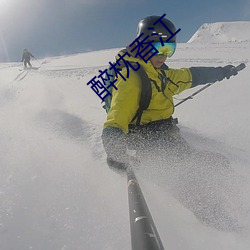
{"x": 114, "y": 142}
{"x": 229, "y": 71}
{"x": 121, "y": 167}
{"x": 115, "y": 145}
{"x": 116, "y": 166}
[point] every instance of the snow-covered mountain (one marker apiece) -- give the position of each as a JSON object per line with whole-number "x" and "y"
{"x": 222, "y": 32}
{"x": 56, "y": 191}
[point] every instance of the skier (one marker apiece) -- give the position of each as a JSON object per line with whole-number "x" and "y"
{"x": 26, "y": 58}
{"x": 154, "y": 135}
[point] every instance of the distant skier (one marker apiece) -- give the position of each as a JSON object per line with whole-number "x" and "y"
{"x": 193, "y": 176}
{"x": 26, "y": 58}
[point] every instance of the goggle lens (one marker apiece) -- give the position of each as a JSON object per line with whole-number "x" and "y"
{"x": 165, "y": 49}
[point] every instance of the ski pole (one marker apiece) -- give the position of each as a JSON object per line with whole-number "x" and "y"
{"x": 144, "y": 235}
{"x": 238, "y": 68}
{"x": 37, "y": 60}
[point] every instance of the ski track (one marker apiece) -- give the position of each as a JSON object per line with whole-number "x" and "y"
{"x": 77, "y": 73}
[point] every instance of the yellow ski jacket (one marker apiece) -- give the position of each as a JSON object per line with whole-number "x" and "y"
{"x": 125, "y": 100}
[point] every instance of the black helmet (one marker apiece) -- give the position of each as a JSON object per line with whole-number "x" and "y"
{"x": 156, "y": 27}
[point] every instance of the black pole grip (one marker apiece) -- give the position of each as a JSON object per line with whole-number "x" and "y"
{"x": 240, "y": 67}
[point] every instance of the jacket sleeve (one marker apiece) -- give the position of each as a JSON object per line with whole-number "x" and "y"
{"x": 125, "y": 102}
{"x": 203, "y": 75}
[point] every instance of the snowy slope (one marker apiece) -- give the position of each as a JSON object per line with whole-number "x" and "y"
{"x": 56, "y": 191}
{"x": 222, "y": 32}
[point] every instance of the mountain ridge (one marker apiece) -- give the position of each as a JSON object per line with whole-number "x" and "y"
{"x": 222, "y": 32}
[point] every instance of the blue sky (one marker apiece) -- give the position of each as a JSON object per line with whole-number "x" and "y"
{"x": 58, "y": 27}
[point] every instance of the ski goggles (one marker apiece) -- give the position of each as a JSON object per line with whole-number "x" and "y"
{"x": 164, "y": 49}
